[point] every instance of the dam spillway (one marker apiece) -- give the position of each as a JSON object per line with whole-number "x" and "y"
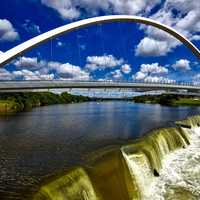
{"x": 133, "y": 171}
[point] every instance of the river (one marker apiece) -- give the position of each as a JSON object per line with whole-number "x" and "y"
{"x": 52, "y": 138}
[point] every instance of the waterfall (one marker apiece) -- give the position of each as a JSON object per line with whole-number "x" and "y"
{"x": 73, "y": 185}
{"x": 180, "y": 175}
{"x": 190, "y": 122}
{"x": 128, "y": 172}
{"x": 144, "y": 157}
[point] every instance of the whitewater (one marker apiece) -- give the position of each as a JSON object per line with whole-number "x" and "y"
{"x": 180, "y": 175}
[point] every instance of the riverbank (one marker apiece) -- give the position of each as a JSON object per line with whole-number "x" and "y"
{"x": 169, "y": 100}
{"x": 18, "y": 102}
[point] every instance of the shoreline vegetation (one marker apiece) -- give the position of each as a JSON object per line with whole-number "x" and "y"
{"x": 11, "y": 103}
{"x": 169, "y": 100}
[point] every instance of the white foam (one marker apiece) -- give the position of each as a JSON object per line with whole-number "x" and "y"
{"x": 180, "y": 175}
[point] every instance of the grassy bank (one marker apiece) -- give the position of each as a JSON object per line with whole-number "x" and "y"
{"x": 17, "y": 102}
{"x": 169, "y": 100}
{"x": 7, "y": 106}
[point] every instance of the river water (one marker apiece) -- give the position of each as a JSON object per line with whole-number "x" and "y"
{"x": 52, "y": 138}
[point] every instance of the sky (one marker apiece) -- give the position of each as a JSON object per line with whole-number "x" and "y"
{"x": 116, "y": 51}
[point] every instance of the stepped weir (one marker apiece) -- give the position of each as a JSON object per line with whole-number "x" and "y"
{"x": 121, "y": 173}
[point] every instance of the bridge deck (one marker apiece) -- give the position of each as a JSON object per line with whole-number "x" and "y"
{"x": 26, "y": 85}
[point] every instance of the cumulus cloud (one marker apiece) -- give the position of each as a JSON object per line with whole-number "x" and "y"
{"x": 24, "y": 75}
{"x": 152, "y": 47}
{"x": 152, "y": 73}
{"x": 71, "y": 9}
{"x": 182, "y": 64}
{"x": 126, "y": 69}
{"x": 30, "y": 75}
{"x": 30, "y": 63}
{"x": 5, "y": 75}
{"x": 69, "y": 71}
{"x": 72, "y": 72}
{"x": 94, "y": 63}
{"x": 7, "y": 31}
{"x": 182, "y": 15}
{"x": 65, "y": 8}
{"x": 28, "y": 68}
{"x": 139, "y": 76}
{"x": 102, "y": 62}
{"x": 117, "y": 74}
{"x": 153, "y": 68}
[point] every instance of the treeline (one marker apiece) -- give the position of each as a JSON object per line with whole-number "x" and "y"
{"x": 16, "y": 102}
{"x": 163, "y": 99}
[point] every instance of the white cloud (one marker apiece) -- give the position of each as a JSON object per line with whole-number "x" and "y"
{"x": 54, "y": 65}
{"x": 153, "y": 68}
{"x": 136, "y": 7}
{"x": 195, "y": 37}
{"x": 182, "y": 64}
{"x": 30, "y": 75}
{"x": 5, "y": 74}
{"x": 102, "y": 62}
{"x": 69, "y": 71}
{"x": 182, "y": 15}
{"x": 72, "y": 72}
{"x": 117, "y": 74}
{"x": 31, "y": 63}
{"x": 24, "y": 75}
{"x": 65, "y": 8}
{"x": 126, "y": 69}
{"x": 31, "y": 27}
{"x": 40, "y": 69}
{"x": 70, "y": 9}
{"x": 197, "y": 76}
{"x": 7, "y": 31}
{"x": 139, "y": 76}
{"x": 158, "y": 79}
{"x": 1, "y": 52}
{"x": 152, "y": 47}
{"x": 196, "y": 79}
{"x": 152, "y": 73}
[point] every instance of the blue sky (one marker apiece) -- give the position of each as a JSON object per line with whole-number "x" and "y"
{"x": 115, "y": 51}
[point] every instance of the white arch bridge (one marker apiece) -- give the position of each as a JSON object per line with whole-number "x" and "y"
{"x": 13, "y": 53}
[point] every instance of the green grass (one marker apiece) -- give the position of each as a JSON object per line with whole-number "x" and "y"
{"x": 187, "y": 102}
{"x": 169, "y": 100}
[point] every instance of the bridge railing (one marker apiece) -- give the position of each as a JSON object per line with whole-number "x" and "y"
{"x": 108, "y": 81}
